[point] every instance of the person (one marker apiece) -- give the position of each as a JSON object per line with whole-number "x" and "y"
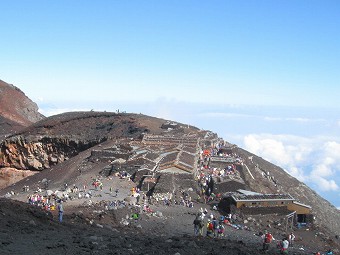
{"x": 329, "y": 252}
{"x": 137, "y": 198}
{"x": 60, "y": 211}
{"x": 220, "y": 232}
{"x": 196, "y": 226}
{"x": 210, "y": 228}
{"x": 135, "y": 217}
{"x": 291, "y": 239}
{"x": 284, "y": 244}
{"x": 215, "y": 226}
{"x": 267, "y": 239}
{"x": 201, "y": 226}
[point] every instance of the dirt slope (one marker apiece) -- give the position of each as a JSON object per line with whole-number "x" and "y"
{"x": 16, "y": 106}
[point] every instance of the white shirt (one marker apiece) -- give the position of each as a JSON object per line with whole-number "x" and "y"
{"x": 285, "y": 244}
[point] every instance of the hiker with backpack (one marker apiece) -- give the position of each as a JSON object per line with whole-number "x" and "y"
{"x": 210, "y": 228}
{"x": 291, "y": 239}
{"x": 220, "y": 231}
{"x": 215, "y": 226}
{"x": 267, "y": 239}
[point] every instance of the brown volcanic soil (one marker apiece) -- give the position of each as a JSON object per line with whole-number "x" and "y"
{"x": 7, "y": 127}
{"x": 9, "y": 176}
{"x": 16, "y": 106}
{"x": 26, "y": 229}
{"x": 16, "y": 110}
{"x": 95, "y": 125}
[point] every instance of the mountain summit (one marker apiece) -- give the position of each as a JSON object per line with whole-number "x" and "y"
{"x": 170, "y": 163}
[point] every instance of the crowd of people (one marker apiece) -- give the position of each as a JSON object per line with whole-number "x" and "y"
{"x": 214, "y": 227}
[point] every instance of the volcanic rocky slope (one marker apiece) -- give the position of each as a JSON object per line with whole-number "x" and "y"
{"x": 16, "y": 110}
{"x": 60, "y": 137}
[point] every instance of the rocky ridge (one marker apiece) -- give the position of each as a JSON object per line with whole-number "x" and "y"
{"x": 16, "y": 106}
{"x": 60, "y": 137}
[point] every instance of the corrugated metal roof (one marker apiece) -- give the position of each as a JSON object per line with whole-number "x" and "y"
{"x": 248, "y": 192}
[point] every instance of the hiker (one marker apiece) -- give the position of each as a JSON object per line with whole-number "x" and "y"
{"x": 291, "y": 239}
{"x": 267, "y": 239}
{"x": 135, "y": 217}
{"x": 196, "y": 226}
{"x": 229, "y": 217}
{"x": 284, "y": 246}
{"x": 201, "y": 226}
{"x": 210, "y": 228}
{"x": 137, "y": 198}
{"x": 215, "y": 226}
{"x": 220, "y": 230}
{"x": 329, "y": 252}
{"x": 60, "y": 211}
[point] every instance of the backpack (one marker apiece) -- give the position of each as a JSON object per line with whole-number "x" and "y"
{"x": 268, "y": 238}
{"x": 215, "y": 224}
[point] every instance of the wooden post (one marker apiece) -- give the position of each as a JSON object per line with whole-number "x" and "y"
{"x": 291, "y": 217}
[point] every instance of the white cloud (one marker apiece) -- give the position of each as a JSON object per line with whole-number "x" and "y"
{"x": 293, "y": 119}
{"x": 314, "y": 160}
{"x": 326, "y": 185}
{"x": 284, "y": 149}
{"x": 333, "y": 148}
{"x": 226, "y": 115}
{"x": 328, "y": 160}
{"x": 54, "y": 111}
{"x": 268, "y": 118}
{"x": 303, "y": 119}
{"x": 265, "y": 118}
{"x": 297, "y": 173}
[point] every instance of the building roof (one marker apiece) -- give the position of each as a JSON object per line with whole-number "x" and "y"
{"x": 247, "y": 192}
{"x": 151, "y": 156}
{"x": 188, "y": 140}
{"x": 178, "y": 159}
{"x": 190, "y": 149}
{"x": 169, "y": 158}
{"x": 223, "y": 159}
{"x": 303, "y": 205}
{"x": 262, "y": 197}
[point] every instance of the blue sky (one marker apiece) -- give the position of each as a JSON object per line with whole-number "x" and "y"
{"x": 262, "y": 74}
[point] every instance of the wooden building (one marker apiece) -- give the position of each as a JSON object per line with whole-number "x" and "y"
{"x": 271, "y": 202}
{"x": 262, "y": 200}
